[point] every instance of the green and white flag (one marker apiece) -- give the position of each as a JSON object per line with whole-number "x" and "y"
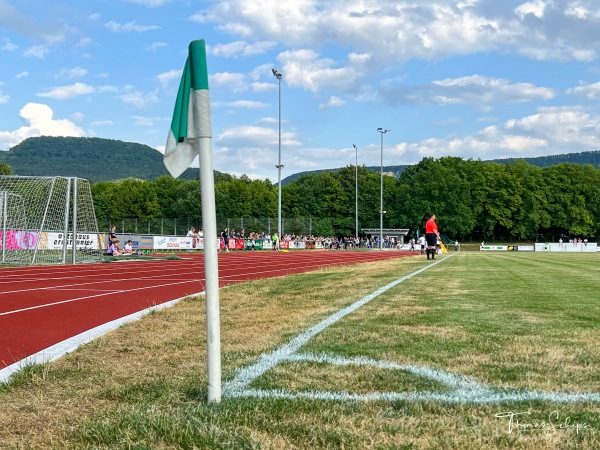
{"x": 191, "y": 118}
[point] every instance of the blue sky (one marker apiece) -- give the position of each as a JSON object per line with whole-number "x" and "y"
{"x": 471, "y": 78}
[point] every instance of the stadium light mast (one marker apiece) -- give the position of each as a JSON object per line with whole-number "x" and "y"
{"x": 356, "y": 183}
{"x": 279, "y": 166}
{"x": 381, "y": 211}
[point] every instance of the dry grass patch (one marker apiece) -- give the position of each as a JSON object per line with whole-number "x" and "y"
{"x": 163, "y": 356}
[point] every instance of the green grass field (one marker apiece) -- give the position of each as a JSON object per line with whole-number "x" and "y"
{"x": 481, "y": 351}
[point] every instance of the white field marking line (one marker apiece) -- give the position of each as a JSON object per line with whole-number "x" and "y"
{"x": 465, "y": 389}
{"x": 247, "y": 375}
{"x": 56, "y": 351}
{"x": 87, "y": 297}
{"x": 441, "y": 376}
{"x": 456, "y": 397}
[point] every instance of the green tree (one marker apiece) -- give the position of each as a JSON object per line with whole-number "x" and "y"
{"x": 5, "y": 169}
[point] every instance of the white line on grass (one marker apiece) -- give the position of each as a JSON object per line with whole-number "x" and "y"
{"x": 449, "y": 379}
{"x": 248, "y": 374}
{"x": 465, "y": 390}
{"x": 459, "y": 396}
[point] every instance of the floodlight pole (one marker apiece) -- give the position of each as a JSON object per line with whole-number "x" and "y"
{"x": 381, "y": 211}
{"x": 279, "y": 166}
{"x": 356, "y": 183}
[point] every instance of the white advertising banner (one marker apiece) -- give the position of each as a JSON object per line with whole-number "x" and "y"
{"x": 570, "y": 247}
{"x": 88, "y": 241}
{"x": 172, "y": 243}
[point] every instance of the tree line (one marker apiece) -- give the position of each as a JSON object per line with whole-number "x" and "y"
{"x": 472, "y": 199}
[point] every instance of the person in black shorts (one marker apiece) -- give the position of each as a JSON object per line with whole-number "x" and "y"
{"x": 431, "y": 236}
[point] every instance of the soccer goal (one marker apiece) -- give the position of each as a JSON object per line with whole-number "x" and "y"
{"x": 47, "y": 220}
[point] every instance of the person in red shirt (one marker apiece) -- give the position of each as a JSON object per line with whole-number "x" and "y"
{"x": 431, "y": 236}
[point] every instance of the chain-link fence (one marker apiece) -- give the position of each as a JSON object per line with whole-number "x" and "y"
{"x": 180, "y": 226}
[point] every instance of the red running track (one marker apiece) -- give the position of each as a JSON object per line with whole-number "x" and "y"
{"x": 43, "y": 306}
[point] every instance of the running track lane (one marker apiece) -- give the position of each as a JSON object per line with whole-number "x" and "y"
{"x": 43, "y": 306}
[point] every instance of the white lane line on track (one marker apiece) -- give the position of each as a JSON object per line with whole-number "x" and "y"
{"x": 46, "y": 305}
{"x": 116, "y": 280}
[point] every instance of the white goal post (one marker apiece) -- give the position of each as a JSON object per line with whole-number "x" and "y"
{"x": 47, "y": 220}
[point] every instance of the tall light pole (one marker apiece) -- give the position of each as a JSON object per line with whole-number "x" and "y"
{"x": 381, "y": 211}
{"x": 279, "y": 165}
{"x": 356, "y": 182}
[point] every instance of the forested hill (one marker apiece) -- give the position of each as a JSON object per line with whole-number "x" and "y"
{"x": 100, "y": 159}
{"x": 96, "y": 159}
{"x": 592, "y": 158}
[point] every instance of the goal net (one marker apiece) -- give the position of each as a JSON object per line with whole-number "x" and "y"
{"x": 47, "y": 220}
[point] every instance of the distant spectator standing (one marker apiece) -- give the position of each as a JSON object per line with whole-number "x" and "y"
{"x": 192, "y": 233}
{"x": 421, "y": 244}
{"x": 225, "y": 237}
{"x": 112, "y": 236}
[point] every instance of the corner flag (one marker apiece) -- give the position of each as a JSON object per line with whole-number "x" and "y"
{"x": 190, "y": 135}
{"x": 191, "y": 117}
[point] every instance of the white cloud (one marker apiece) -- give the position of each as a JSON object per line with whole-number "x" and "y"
{"x": 148, "y": 121}
{"x": 241, "y": 48}
{"x": 39, "y": 122}
{"x": 429, "y": 30}
{"x": 535, "y": 8}
{"x": 4, "y": 98}
{"x": 71, "y": 73}
{"x": 561, "y": 130}
{"x": 166, "y": 77}
{"x": 102, "y": 123}
{"x": 156, "y": 46}
{"x": 305, "y": 69}
{"x": 70, "y": 91}
{"x": 586, "y": 91}
{"x": 77, "y": 116}
{"x": 7, "y": 45}
{"x": 235, "y": 82}
{"x": 22, "y": 75}
{"x": 245, "y": 104}
{"x": 476, "y": 90}
{"x": 138, "y": 99}
{"x": 250, "y": 136}
{"x": 333, "y": 102}
{"x": 37, "y": 51}
{"x": 151, "y": 3}
{"x": 107, "y": 88}
{"x": 128, "y": 27}
{"x": 262, "y": 87}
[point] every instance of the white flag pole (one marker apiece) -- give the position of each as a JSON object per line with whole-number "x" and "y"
{"x": 191, "y": 135}
{"x": 211, "y": 270}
